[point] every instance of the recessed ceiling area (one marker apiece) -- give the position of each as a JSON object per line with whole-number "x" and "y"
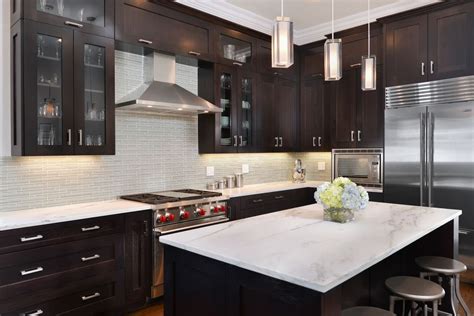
{"x": 311, "y": 18}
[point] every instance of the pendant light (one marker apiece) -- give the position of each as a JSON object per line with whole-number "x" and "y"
{"x": 369, "y": 62}
{"x": 282, "y": 42}
{"x": 333, "y": 55}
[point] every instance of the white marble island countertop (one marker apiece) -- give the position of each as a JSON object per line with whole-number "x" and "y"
{"x": 297, "y": 246}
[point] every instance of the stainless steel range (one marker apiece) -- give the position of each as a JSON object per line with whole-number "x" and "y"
{"x": 176, "y": 211}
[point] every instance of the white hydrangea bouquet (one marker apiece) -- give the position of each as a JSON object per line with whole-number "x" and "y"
{"x": 341, "y": 199}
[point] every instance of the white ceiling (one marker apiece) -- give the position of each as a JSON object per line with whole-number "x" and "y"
{"x": 312, "y": 18}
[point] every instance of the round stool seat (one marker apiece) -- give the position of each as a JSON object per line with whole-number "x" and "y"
{"x": 366, "y": 311}
{"x": 414, "y": 289}
{"x": 441, "y": 265}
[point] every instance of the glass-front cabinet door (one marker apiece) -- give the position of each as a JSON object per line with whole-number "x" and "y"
{"x": 49, "y": 84}
{"x": 94, "y": 91}
{"x": 246, "y": 108}
{"x": 236, "y": 49}
{"x": 90, "y": 16}
{"x": 227, "y": 131}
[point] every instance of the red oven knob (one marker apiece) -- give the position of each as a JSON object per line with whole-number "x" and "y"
{"x": 161, "y": 219}
{"x": 215, "y": 209}
{"x": 199, "y": 212}
{"x": 184, "y": 215}
{"x": 223, "y": 208}
{"x": 169, "y": 217}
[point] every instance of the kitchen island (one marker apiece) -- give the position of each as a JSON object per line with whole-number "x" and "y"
{"x": 293, "y": 263}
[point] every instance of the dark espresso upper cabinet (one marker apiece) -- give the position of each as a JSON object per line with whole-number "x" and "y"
{"x": 158, "y": 27}
{"x": 89, "y": 16}
{"x": 236, "y": 49}
{"x": 62, "y": 91}
{"x": 451, "y": 42}
{"x": 265, "y": 62}
{"x": 431, "y": 46}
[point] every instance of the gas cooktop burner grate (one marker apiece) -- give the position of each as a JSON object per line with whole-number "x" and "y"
{"x": 149, "y": 198}
{"x": 170, "y": 196}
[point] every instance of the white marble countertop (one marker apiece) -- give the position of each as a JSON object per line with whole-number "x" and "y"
{"x": 58, "y": 214}
{"x": 252, "y": 189}
{"x": 297, "y": 246}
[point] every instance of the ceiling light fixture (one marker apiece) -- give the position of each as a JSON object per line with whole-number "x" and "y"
{"x": 282, "y": 42}
{"x": 369, "y": 62}
{"x": 332, "y": 55}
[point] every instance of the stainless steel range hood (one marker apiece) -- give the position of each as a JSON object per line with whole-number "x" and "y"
{"x": 163, "y": 95}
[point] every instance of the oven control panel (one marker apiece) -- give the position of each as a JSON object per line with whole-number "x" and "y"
{"x": 175, "y": 214}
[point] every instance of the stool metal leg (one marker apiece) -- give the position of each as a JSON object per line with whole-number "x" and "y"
{"x": 457, "y": 292}
{"x": 425, "y": 309}
{"x": 435, "y": 308}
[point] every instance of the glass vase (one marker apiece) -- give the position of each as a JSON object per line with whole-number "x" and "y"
{"x": 339, "y": 215}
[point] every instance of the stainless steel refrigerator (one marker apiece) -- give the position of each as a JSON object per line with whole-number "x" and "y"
{"x": 429, "y": 150}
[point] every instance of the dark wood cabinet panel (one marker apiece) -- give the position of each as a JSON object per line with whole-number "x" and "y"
{"x": 354, "y": 46}
{"x": 138, "y": 257}
{"x": 287, "y": 113}
{"x": 96, "y": 17}
{"x": 406, "y": 50}
{"x": 313, "y": 116}
{"x": 312, "y": 63}
{"x": 344, "y": 111}
{"x": 180, "y": 34}
{"x": 267, "y": 127}
{"x": 450, "y": 42}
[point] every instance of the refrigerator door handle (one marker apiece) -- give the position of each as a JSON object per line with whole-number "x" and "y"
{"x": 430, "y": 158}
{"x": 422, "y": 157}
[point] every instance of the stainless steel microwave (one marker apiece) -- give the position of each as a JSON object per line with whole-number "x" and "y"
{"x": 363, "y": 166}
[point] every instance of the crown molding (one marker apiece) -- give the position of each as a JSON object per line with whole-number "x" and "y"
{"x": 230, "y": 12}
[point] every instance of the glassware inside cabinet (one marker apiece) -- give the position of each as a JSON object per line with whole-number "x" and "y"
{"x": 94, "y": 95}
{"x": 226, "y": 105}
{"x": 235, "y": 49}
{"x": 85, "y": 11}
{"x": 49, "y": 90}
{"x": 246, "y": 110}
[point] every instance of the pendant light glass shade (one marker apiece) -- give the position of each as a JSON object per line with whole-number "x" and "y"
{"x": 369, "y": 73}
{"x": 282, "y": 43}
{"x": 333, "y": 59}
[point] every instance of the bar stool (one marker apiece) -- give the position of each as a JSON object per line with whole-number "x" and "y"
{"x": 407, "y": 288}
{"x": 445, "y": 267}
{"x": 366, "y": 311}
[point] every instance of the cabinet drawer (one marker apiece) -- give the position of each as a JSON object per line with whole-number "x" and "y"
{"x": 278, "y": 201}
{"x": 87, "y": 301}
{"x": 38, "y": 236}
{"x": 37, "y": 263}
{"x": 254, "y": 201}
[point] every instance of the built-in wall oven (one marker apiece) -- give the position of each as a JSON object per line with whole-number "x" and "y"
{"x": 363, "y": 166}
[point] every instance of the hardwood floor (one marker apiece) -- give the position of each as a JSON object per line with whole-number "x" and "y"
{"x": 154, "y": 310}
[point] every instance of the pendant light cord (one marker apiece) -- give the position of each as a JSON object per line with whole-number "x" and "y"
{"x": 368, "y": 28}
{"x": 282, "y": 8}
{"x": 332, "y": 13}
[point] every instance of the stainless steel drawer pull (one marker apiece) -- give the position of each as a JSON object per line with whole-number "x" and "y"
{"x": 96, "y": 256}
{"x": 257, "y": 201}
{"x": 356, "y": 65}
{"x": 69, "y": 137}
{"x": 237, "y": 64}
{"x": 26, "y": 239}
{"x": 35, "y": 313}
{"x": 144, "y": 41}
{"x": 235, "y": 141}
{"x": 279, "y": 197}
{"x": 464, "y": 232}
{"x": 194, "y": 53}
{"x": 80, "y": 137}
{"x": 352, "y": 136}
{"x": 31, "y": 271}
{"x": 319, "y": 141}
{"x": 281, "y": 141}
{"x": 314, "y": 141}
{"x": 276, "y": 139}
{"x": 86, "y": 298}
{"x": 241, "y": 141}
{"x": 432, "y": 67}
{"x": 70, "y": 23}
{"x": 422, "y": 69}
{"x": 88, "y": 229}
{"x": 359, "y": 136}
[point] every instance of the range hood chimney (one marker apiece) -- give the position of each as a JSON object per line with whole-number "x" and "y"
{"x": 163, "y": 95}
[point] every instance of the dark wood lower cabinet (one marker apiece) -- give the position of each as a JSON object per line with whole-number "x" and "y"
{"x": 97, "y": 266}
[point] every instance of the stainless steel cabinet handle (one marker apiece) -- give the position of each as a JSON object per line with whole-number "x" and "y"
{"x": 88, "y": 229}
{"x": 429, "y": 166}
{"x": 422, "y": 68}
{"x": 70, "y": 23}
{"x": 144, "y": 41}
{"x": 35, "y": 313}
{"x": 241, "y": 141}
{"x": 85, "y": 259}
{"x": 31, "y": 271}
{"x": 356, "y": 65}
{"x": 26, "y": 239}
{"x": 319, "y": 141}
{"x": 69, "y": 137}
{"x": 279, "y": 197}
{"x": 314, "y": 141}
{"x": 237, "y": 64}
{"x": 86, "y": 298}
{"x": 276, "y": 141}
{"x": 235, "y": 141}
{"x": 316, "y": 75}
{"x": 257, "y": 201}
{"x": 281, "y": 141}
{"x": 194, "y": 53}
{"x": 352, "y": 136}
{"x": 464, "y": 232}
{"x": 359, "y": 136}
{"x": 80, "y": 137}
{"x": 422, "y": 157}
{"x": 432, "y": 67}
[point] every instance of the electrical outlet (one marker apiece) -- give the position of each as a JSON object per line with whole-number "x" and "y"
{"x": 210, "y": 171}
{"x": 245, "y": 168}
{"x": 321, "y": 166}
